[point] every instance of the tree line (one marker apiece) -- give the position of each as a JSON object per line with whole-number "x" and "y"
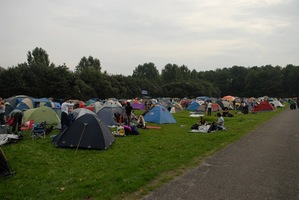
{"x": 38, "y": 77}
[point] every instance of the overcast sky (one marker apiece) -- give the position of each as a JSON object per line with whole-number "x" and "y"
{"x": 122, "y": 34}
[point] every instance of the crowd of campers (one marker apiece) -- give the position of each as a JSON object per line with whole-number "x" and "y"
{"x": 79, "y": 122}
{"x": 95, "y": 123}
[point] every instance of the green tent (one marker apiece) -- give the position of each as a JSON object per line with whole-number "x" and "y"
{"x": 41, "y": 114}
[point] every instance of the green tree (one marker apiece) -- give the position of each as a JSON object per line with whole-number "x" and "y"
{"x": 89, "y": 62}
{"x": 38, "y": 57}
{"x": 170, "y": 73}
{"x": 223, "y": 81}
{"x": 12, "y": 82}
{"x": 290, "y": 81}
{"x": 238, "y": 74}
{"x": 147, "y": 71}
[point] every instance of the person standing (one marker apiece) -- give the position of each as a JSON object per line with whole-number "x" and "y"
{"x": 2, "y": 112}
{"x": 209, "y": 108}
{"x": 64, "y": 120}
{"x": 128, "y": 110}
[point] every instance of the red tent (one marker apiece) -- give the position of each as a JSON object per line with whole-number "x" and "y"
{"x": 263, "y": 106}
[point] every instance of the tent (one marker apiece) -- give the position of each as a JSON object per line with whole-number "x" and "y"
{"x": 193, "y": 106}
{"x": 107, "y": 113}
{"x": 97, "y": 106}
{"x": 87, "y": 132}
{"x": 41, "y": 114}
{"x": 277, "y": 104}
{"x": 81, "y": 111}
{"x": 225, "y": 104}
{"x": 25, "y": 104}
{"x": 4, "y": 166}
{"x": 159, "y": 115}
{"x": 203, "y": 98}
{"x": 263, "y": 106}
{"x": 12, "y": 102}
{"x": 176, "y": 106}
{"x": 229, "y": 98}
{"x": 216, "y": 107}
{"x": 90, "y": 102}
{"x": 138, "y": 105}
{"x": 112, "y": 102}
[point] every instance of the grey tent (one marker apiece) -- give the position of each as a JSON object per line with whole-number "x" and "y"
{"x": 87, "y": 131}
{"x": 108, "y": 114}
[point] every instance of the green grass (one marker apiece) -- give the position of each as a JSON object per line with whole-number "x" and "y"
{"x": 129, "y": 169}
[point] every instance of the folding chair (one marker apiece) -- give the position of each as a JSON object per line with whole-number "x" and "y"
{"x": 39, "y": 131}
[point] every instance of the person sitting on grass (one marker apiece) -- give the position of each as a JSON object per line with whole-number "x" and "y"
{"x": 202, "y": 121}
{"x": 141, "y": 122}
{"x": 226, "y": 113}
{"x": 219, "y": 125}
{"x": 220, "y": 122}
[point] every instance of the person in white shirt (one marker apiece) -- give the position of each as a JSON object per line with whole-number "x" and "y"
{"x": 219, "y": 125}
{"x": 64, "y": 114}
{"x": 220, "y": 122}
{"x": 141, "y": 122}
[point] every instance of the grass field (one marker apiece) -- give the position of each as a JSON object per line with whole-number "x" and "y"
{"x": 129, "y": 169}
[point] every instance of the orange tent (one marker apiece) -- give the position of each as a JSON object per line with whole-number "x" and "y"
{"x": 228, "y": 98}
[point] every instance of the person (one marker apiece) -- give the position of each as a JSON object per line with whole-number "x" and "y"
{"x": 76, "y": 106}
{"x": 209, "y": 107}
{"x": 220, "y": 122}
{"x": 202, "y": 121}
{"x": 141, "y": 122}
{"x": 225, "y": 112}
{"x": 234, "y": 104}
{"x": 128, "y": 110}
{"x": 292, "y": 104}
{"x": 244, "y": 107}
{"x": 219, "y": 125}
{"x": 64, "y": 114}
{"x": 147, "y": 104}
{"x": 2, "y": 112}
{"x": 168, "y": 105}
{"x": 71, "y": 116}
{"x": 15, "y": 120}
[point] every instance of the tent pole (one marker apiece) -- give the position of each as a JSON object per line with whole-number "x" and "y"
{"x": 8, "y": 165}
{"x": 85, "y": 124}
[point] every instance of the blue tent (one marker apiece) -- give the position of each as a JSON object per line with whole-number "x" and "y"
{"x": 193, "y": 106}
{"x": 159, "y": 115}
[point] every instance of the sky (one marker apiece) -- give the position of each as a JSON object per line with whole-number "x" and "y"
{"x": 200, "y": 34}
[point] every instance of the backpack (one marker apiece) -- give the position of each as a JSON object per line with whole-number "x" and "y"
{"x": 194, "y": 126}
{"x": 135, "y": 130}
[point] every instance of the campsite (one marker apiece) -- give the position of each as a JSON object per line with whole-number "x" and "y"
{"x": 131, "y": 166}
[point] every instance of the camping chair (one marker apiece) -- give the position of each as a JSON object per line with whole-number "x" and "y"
{"x": 39, "y": 131}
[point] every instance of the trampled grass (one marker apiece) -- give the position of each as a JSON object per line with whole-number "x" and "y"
{"x": 129, "y": 169}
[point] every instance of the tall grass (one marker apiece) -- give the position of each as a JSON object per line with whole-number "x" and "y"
{"x": 129, "y": 169}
